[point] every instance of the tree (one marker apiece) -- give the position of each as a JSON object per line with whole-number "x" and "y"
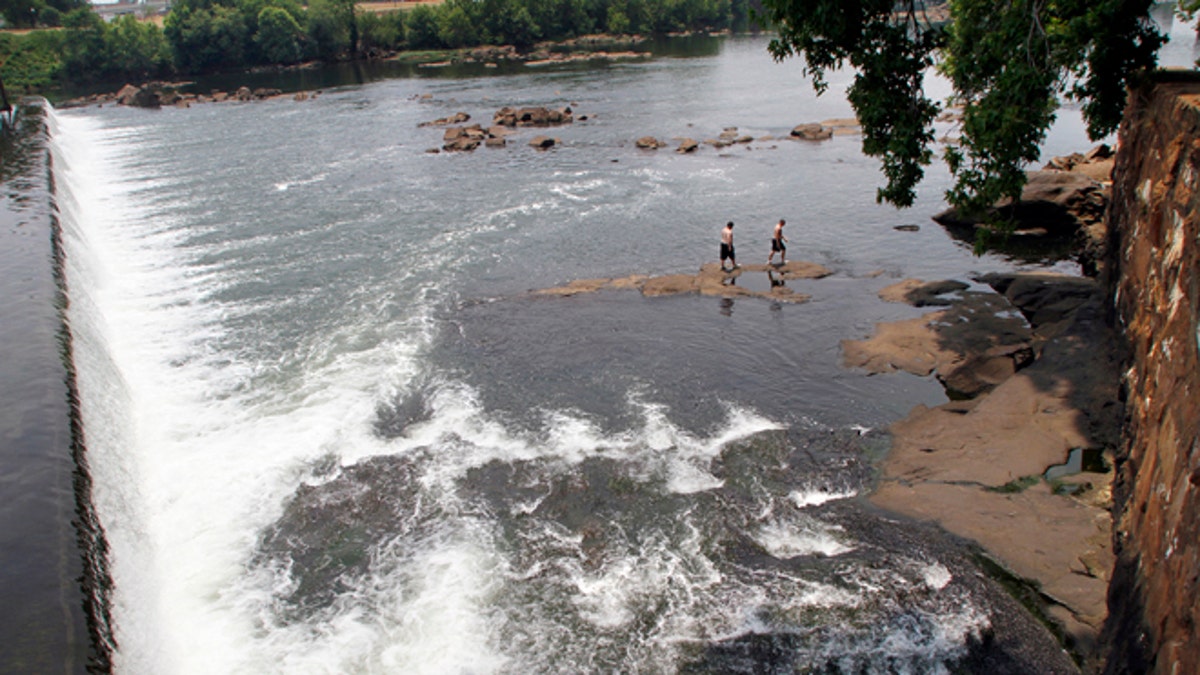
{"x": 421, "y": 28}
{"x": 207, "y": 38}
{"x": 278, "y": 35}
{"x": 136, "y": 49}
{"x": 1009, "y": 63}
{"x": 456, "y": 25}
{"x": 29, "y": 13}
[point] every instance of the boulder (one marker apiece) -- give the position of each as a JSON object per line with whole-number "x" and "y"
{"x": 649, "y": 143}
{"x": 138, "y": 97}
{"x": 456, "y": 118}
{"x": 461, "y": 144}
{"x": 687, "y": 145}
{"x": 532, "y": 117}
{"x": 543, "y": 142}
{"x": 812, "y": 132}
{"x": 1054, "y": 203}
{"x": 243, "y": 94}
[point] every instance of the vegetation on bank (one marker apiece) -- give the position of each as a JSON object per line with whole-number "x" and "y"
{"x": 202, "y": 36}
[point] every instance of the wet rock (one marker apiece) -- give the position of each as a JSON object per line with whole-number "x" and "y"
{"x": 1053, "y": 203}
{"x": 532, "y": 117}
{"x": 138, "y": 97}
{"x": 543, "y": 142}
{"x": 456, "y": 118}
{"x": 687, "y": 145}
{"x": 328, "y": 530}
{"x": 649, "y": 143}
{"x": 812, "y": 132}
{"x": 922, "y": 293}
{"x": 710, "y": 280}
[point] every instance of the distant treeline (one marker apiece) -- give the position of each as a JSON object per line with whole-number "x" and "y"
{"x": 200, "y": 36}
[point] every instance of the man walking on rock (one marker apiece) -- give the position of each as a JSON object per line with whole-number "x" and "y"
{"x": 727, "y": 247}
{"x": 778, "y": 244}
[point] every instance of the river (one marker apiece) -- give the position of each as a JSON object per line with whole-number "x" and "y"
{"x": 330, "y": 430}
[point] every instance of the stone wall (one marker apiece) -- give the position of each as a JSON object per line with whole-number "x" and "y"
{"x": 1154, "y": 272}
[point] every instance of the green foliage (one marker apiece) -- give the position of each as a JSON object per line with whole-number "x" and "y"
{"x": 278, "y": 36}
{"x": 123, "y": 49}
{"x": 617, "y": 22}
{"x": 422, "y": 29}
{"x": 30, "y": 62}
{"x": 382, "y": 31}
{"x": 30, "y": 13}
{"x": 508, "y": 22}
{"x": 207, "y": 38}
{"x": 210, "y": 35}
{"x": 328, "y": 35}
{"x": 1009, "y": 62}
{"x": 456, "y": 25}
{"x": 137, "y": 50}
{"x": 1015, "y": 485}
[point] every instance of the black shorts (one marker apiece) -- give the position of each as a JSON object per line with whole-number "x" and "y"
{"x": 777, "y": 245}
{"x": 726, "y": 251}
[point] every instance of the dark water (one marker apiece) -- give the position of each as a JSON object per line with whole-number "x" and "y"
{"x": 42, "y": 626}
{"x": 330, "y": 430}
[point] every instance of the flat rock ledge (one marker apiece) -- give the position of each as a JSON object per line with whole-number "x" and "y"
{"x": 1043, "y": 363}
{"x": 710, "y": 280}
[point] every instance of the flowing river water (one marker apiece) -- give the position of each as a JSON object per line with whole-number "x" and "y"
{"x": 330, "y": 430}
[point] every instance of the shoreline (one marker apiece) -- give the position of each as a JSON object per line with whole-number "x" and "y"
{"x": 1004, "y": 464}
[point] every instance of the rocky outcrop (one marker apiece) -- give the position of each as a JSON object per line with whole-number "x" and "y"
{"x": 456, "y": 118}
{"x": 543, "y": 142}
{"x": 532, "y": 117}
{"x": 812, "y": 132}
{"x": 458, "y": 137}
{"x": 138, "y": 97}
{"x": 1033, "y": 391}
{"x": 1053, "y": 203}
{"x": 710, "y": 280}
{"x": 160, "y": 94}
{"x": 1096, "y": 163}
{"x": 1154, "y": 273}
{"x": 971, "y": 346}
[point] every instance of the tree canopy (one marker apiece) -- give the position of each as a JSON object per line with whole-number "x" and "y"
{"x": 1010, "y": 63}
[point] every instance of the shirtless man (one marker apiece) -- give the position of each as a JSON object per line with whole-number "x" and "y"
{"x": 778, "y": 244}
{"x": 727, "y": 247}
